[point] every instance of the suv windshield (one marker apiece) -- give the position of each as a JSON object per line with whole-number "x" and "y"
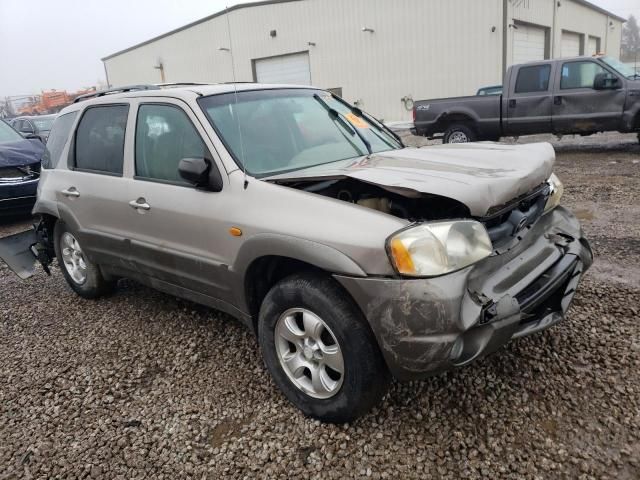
{"x": 621, "y": 68}
{"x": 8, "y": 134}
{"x": 281, "y": 130}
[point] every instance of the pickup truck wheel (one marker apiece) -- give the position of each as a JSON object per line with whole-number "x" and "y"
{"x": 83, "y": 276}
{"x": 319, "y": 349}
{"x": 459, "y": 133}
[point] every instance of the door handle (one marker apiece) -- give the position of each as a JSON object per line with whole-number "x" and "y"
{"x": 71, "y": 192}
{"x": 512, "y": 103}
{"x": 557, "y": 100}
{"x": 139, "y": 204}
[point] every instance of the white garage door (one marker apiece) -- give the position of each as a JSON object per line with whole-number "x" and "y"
{"x": 594, "y": 45}
{"x": 292, "y": 69}
{"x": 570, "y": 45}
{"x": 528, "y": 44}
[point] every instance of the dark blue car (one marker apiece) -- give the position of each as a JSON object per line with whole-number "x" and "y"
{"x": 19, "y": 171}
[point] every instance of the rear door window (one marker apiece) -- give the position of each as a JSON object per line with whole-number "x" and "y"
{"x": 99, "y": 141}
{"x": 164, "y": 136}
{"x": 58, "y": 139}
{"x": 533, "y": 79}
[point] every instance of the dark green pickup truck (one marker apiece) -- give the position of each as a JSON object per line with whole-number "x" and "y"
{"x": 583, "y": 95}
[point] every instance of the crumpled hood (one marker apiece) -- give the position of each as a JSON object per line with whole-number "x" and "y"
{"x": 479, "y": 175}
{"x": 20, "y": 153}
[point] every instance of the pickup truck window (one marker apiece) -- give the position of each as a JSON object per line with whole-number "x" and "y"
{"x": 579, "y": 74}
{"x": 533, "y": 79}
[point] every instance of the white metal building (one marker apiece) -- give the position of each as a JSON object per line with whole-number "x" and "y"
{"x": 378, "y": 53}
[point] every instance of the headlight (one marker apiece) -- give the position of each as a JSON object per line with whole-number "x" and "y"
{"x": 557, "y": 189}
{"x": 437, "y": 248}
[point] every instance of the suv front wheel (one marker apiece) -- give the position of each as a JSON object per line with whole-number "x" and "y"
{"x": 320, "y": 350}
{"x": 82, "y": 275}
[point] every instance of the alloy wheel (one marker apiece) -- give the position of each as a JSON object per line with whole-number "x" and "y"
{"x": 73, "y": 258}
{"x": 309, "y": 353}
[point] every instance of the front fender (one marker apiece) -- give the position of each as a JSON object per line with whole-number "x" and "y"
{"x": 317, "y": 254}
{"x": 271, "y": 244}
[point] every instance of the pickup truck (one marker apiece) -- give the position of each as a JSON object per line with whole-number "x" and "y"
{"x": 583, "y": 95}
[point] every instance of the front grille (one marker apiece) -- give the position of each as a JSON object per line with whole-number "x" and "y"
{"x": 19, "y": 174}
{"x": 507, "y": 221}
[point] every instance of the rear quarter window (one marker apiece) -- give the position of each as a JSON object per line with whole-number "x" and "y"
{"x": 99, "y": 141}
{"x": 533, "y": 79}
{"x": 58, "y": 139}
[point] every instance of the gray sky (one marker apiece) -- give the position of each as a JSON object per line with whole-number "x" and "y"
{"x": 47, "y": 44}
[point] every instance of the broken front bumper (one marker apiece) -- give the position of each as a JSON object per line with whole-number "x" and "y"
{"x": 425, "y": 326}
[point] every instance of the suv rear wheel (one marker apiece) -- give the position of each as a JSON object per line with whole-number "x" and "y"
{"x": 83, "y": 276}
{"x": 320, "y": 350}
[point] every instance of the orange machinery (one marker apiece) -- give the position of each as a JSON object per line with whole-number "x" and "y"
{"x": 51, "y": 101}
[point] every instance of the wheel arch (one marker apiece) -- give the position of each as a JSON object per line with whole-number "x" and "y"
{"x": 447, "y": 119}
{"x": 266, "y": 259}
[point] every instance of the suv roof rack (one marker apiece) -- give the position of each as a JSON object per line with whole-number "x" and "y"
{"x": 128, "y": 88}
{"x": 181, "y": 84}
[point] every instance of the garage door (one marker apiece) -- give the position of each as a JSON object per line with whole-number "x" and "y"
{"x": 528, "y": 44}
{"x": 292, "y": 69}
{"x": 570, "y": 45}
{"x": 594, "y": 45}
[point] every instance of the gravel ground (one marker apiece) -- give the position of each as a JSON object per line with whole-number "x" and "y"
{"x": 142, "y": 385}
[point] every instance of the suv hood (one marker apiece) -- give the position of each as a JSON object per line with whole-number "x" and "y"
{"x": 479, "y": 175}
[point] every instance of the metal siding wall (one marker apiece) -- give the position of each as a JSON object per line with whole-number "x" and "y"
{"x": 570, "y": 16}
{"x": 421, "y": 48}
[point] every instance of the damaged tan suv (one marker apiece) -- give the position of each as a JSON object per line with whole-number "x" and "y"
{"x": 352, "y": 257}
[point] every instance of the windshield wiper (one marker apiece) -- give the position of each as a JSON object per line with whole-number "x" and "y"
{"x": 381, "y": 127}
{"x": 335, "y": 115}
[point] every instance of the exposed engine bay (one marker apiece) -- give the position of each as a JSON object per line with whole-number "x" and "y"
{"x": 410, "y": 205}
{"x": 503, "y": 222}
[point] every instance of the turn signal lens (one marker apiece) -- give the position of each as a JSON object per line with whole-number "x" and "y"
{"x": 401, "y": 258}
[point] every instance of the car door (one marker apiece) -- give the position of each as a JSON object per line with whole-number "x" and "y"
{"x": 527, "y": 110}
{"x": 17, "y": 125}
{"x": 91, "y": 192}
{"x": 578, "y": 107}
{"x": 178, "y": 233}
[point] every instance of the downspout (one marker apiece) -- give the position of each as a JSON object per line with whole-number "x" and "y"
{"x": 554, "y": 27}
{"x": 505, "y": 29}
{"x": 606, "y": 36}
{"x": 106, "y": 74}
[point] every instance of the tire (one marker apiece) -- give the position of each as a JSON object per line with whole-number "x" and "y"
{"x": 87, "y": 282}
{"x": 365, "y": 378}
{"x": 459, "y": 133}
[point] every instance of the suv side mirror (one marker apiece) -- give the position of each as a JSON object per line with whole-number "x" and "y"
{"x": 606, "y": 81}
{"x": 201, "y": 172}
{"x": 27, "y": 130}
{"x": 33, "y": 136}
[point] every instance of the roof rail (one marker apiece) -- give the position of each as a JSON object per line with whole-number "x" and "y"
{"x": 128, "y": 88}
{"x": 181, "y": 84}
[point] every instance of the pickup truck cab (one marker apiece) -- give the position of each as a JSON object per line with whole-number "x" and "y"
{"x": 583, "y": 95}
